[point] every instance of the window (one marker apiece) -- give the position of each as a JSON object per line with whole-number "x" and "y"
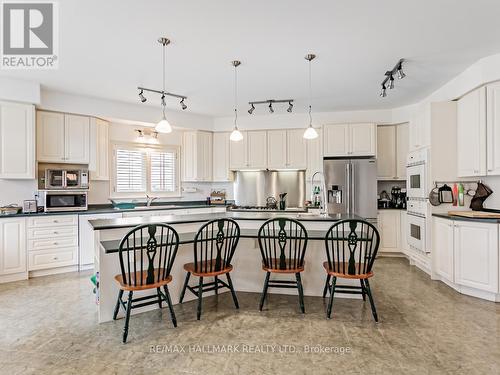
{"x": 141, "y": 170}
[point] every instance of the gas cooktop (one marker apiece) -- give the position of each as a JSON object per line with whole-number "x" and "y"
{"x": 264, "y": 208}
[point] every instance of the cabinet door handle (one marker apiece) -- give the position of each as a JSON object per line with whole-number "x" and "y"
{"x": 56, "y": 232}
{"x": 55, "y": 243}
{"x": 55, "y": 258}
{"x": 55, "y": 221}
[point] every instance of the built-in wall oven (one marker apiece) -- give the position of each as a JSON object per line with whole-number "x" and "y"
{"x": 418, "y": 214}
{"x": 63, "y": 200}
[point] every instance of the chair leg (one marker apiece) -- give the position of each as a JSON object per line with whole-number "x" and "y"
{"x": 216, "y": 286}
{"x": 330, "y": 303}
{"x": 363, "y": 291}
{"x": 183, "y": 292}
{"x": 301, "y": 292}
{"x": 118, "y": 304}
{"x": 159, "y": 297}
{"x": 264, "y": 292}
{"x": 127, "y": 316}
{"x": 233, "y": 293}
{"x": 170, "y": 306}
{"x": 200, "y": 292}
{"x": 370, "y": 297}
{"x": 327, "y": 284}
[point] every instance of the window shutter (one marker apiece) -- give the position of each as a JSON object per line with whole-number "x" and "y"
{"x": 130, "y": 171}
{"x": 163, "y": 171}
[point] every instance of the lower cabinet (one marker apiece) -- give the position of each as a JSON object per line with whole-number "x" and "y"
{"x": 465, "y": 253}
{"x": 12, "y": 246}
{"x": 389, "y": 225}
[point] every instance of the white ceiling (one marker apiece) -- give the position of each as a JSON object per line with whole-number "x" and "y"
{"x": 108, "y": 48}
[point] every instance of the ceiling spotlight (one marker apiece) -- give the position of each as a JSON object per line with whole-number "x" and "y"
{"x": 401, "y": 74}
{"x": 252, "y": 108}
{"x": 383, "y": 93}
{"x": 142, "y": 97}
{"x": 271, "y": 110}
{"x": 183, "y": 106}
{"x": 290, "y": 107}
{"x": 391, "y": 82}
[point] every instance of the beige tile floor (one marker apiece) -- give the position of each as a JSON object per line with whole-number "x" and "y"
{"x": 48, "y": 326}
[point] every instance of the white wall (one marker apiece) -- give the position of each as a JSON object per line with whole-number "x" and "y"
{"x": 18, "y": 90}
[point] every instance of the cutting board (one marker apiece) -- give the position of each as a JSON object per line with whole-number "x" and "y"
{"x": 475, "y": 214}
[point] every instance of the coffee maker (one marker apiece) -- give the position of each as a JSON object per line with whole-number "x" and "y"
{"x": 398, "y": 197}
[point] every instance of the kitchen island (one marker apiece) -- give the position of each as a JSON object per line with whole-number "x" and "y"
{"x": 247, "y": 275}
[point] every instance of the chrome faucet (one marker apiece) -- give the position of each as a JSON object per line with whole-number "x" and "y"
{"x": 324, "y": 208}
{"x": 150, "y": 200}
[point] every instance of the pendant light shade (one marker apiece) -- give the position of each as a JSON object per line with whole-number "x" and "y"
{"x": 236, "y": 135}
{"x": 310, "y": 132}
{"x": 163, "y": 126}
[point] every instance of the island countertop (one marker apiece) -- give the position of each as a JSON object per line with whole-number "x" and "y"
{"x": 130, "y": 222}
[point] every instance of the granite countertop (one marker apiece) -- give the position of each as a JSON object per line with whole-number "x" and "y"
{"x": 463, "y": 218}
{"x": 108, "y": 208}
{"x": 130, "y": 222}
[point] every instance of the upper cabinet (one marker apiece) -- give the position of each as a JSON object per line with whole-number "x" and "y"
{"x": 221, "y": 158}
{"x": 197, "y": 156}
{"x": 17, "y": 141}
{"x": 99, "y": 149}
{"x": 493, "y": 129}
{"x": 286, "y": 149}
{"x": 419, "y": 129}
{"x": 249, "y": 153}
{"x": 349, "y": 140}
{"x": 63, "y": 138}
{"x": 471, "y": 134}
{"x": 392, "y": 149}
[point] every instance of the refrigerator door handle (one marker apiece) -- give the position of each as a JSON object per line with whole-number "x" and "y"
{"x": 348, "y": 187}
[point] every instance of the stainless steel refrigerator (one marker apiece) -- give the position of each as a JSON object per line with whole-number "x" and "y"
{"x": 351, "y": 186}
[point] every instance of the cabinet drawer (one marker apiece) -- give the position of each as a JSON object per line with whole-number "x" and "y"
{"x": 52, "y": 232}
{"x": 48, "y": 221}
{"x": 39, "y": 260}
{"x": 52, "y": 243}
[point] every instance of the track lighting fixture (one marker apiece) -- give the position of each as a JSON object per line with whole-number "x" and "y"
{"x": 163, "y": 126}
{"x": 236, "y": 135}
{"x": 142, "y": 97}
{"x": 388, "y": 82}
{"x": 270, "y": 104}
{"x": 310, "y": 132}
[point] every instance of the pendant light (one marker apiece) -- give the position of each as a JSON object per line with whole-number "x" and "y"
{"x": 310, "y": 132}
{"x": 163, "y": 126}
{"x": 236, "y": 135}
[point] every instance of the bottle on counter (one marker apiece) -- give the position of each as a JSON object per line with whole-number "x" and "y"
{"x": 460, "y": 194}
{"x": 455, "y": 194}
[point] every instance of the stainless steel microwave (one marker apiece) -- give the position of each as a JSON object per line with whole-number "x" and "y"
{"x": 61, "y": 179}
{"x": 63, "y": 200}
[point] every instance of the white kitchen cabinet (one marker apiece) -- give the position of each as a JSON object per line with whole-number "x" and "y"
{"x": 443, "y": 249}
{"x": 493, "y": 129}
{"x": 63, "y": 138}
{"x": 296, "y": 149}
{"x": 251, "y": 152}
{"x": 476, "y": 255}
{"x": 86, "y": 242}
{"x": 314, "y": 155}
{"x": 17, "y": 141}
{"x": 471, "y": 134}
{"x": 99, "y": 149}
{"x": 349, "y": 140}
{"x": 197, "y": 156}
{"x": 392, "y": 150}
{"x": 221, "y": 157}
{"x": 386, "y": 152}
{"x": 50, "y": 137}
{"x": 12, "y": 246}
{"x": 402, "y": 148}
{"x": 420, "y": 128}
{"x": 403, "y": 223}
{"x": 389, "y": 226}
{"x": 286, "y": 149}
{"x": 277, "y": 149}
{"x": 336, "y": 140}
